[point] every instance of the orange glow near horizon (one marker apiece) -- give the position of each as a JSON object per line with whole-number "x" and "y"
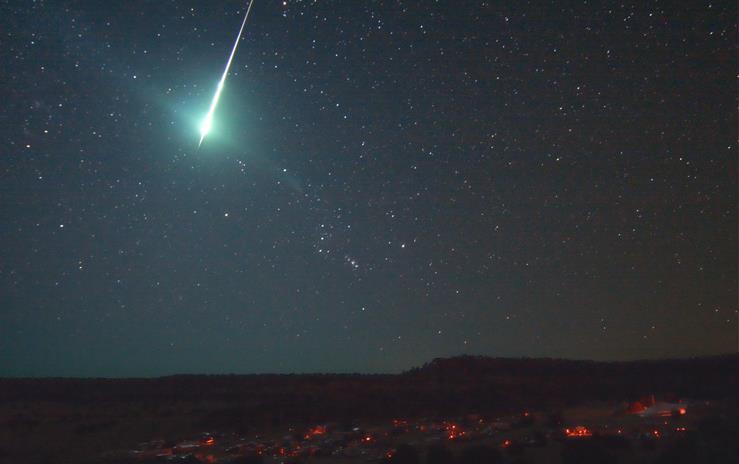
{"x": 578, "y": 432}
{"x": 318, "y": 430}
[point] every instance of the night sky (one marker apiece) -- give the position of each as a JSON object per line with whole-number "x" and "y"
{"x": 386, "y": 182}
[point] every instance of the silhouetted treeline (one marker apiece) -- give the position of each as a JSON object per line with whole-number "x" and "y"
{"x": 443, "y": 388}
{"x": 542, "y": 378}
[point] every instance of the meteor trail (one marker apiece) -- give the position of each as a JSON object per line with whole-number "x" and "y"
{"x": 208, "y": 121}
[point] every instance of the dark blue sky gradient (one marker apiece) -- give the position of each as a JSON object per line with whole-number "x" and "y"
{"x": 386, "y": 182}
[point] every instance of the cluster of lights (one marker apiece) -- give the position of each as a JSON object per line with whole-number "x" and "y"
{"x": 578, "y": 432}
{"x": 454, "y": 432}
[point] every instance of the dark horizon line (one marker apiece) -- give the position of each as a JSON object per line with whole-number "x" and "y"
{"x": 408, "y": 370}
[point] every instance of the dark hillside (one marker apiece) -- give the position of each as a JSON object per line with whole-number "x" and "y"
{"x": 443, "y": 386}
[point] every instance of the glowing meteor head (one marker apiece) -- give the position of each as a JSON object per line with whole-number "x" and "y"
{"x": 206, "y": 125}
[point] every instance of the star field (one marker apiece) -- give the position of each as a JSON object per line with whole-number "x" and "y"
{"x": 385, "y": 182}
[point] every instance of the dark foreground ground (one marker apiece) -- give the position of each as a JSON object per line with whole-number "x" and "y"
{"x": 463, "y": 410}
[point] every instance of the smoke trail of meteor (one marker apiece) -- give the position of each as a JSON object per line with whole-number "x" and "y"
{"x": 208, "y": 121}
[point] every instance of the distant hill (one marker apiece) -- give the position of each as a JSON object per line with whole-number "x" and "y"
{"x": 542, "y": 379}
{"x": 467, "y": 382}
{"x": 462, "y": 366}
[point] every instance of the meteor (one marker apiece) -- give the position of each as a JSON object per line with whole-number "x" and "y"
{"x": 207, "y": 123}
